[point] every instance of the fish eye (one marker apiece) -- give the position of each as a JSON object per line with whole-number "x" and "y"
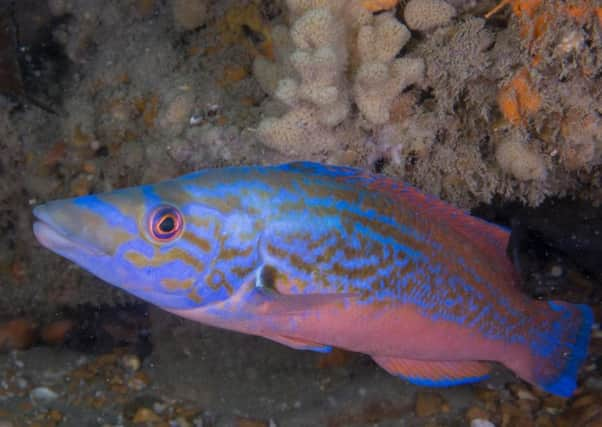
{"x": 165, "y": 224}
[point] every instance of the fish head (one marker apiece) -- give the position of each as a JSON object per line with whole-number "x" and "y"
{"x": 154, "y": 241}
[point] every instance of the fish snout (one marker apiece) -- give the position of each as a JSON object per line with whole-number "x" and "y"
{"x": 60, "y": 226}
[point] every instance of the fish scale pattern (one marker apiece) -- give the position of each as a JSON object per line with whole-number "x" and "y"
{"x": 307, "y": 242}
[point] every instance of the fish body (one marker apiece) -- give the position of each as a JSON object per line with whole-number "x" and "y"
{"x": 316, "y": 256}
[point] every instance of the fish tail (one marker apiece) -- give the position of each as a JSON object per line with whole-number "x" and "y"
{"x": 558, "y": 347}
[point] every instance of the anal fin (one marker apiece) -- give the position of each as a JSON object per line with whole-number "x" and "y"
{"x": 435, "y": 373}
{"x": 299, "y": 344}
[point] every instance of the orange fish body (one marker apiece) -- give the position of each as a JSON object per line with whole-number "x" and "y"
{"x": 316, "y": 256}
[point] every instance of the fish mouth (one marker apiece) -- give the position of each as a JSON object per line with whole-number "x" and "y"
{"x": 52, "y": 236}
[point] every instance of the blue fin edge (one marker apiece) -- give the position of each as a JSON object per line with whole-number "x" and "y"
{"x": 564, "y": 385}
{"x": 324, "y": 349}
{"x": 447, "y": 382}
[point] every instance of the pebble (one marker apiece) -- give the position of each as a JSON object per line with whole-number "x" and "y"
{"x": 58, "y": 7}
{"x": 512, "y": 416}
{"x": 594, "y": 383}
{"x": 248, "y": 422}
{"x": 42, "y": 396}
{"x": 189, "y": 14}
{"x": 553, "y": 404}
{"x": 56, "y": 332}
{"x": 476, "y": 412}
{"x": 478, "y": 422}
{"x": 522, "y": 393}
{"x": 81, "y": 185}
{"x": 131, "y": 362}
{"x": 544, "y": 420}
{"x": 139, "y": 381}
{"x": 584, "y": 400}
{"x": 486, "y": 395}
{"x": 17, "y": 334}
{"x": 180, "y": 422}
{"x": 144, "y": 8}
{"x": 176, "y": 114}
{"x": 428, "y": 403}
{"x": 145, "y": 415}
{"x": 55, "y": 416}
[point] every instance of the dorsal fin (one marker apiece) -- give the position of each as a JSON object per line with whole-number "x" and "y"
{"x": 491, "y": 239}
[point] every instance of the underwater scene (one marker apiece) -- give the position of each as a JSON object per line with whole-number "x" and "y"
{"x": 273, "y": 213}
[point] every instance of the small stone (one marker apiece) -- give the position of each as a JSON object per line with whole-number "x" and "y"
{"x": 159, "y": 407}
{"x": 544, "y": 420}
{"x": 56, "y": 332}
{"x": 428, "y": 403}
{"x": 144, "y": 8}
{"x": 553, "y": 404}
{"x": 131, "y": 362}
{"x": 189, "y": 14}
{"x": 17, "y": 334}
{"x": 478, "y": 422}
{"x": 594, "y": 383}
{"x": 521, "y": 392}
{"x": 55, "y": 416}
{"x": 81, "y": 185}
{"x": 526, "y": 395}
{"x": 476, "y": 412}
{"x": 145, "y": 415}
{"x": 139, "y": 381}
{"x": 248, "y": 422}
{"x": 528, "y": 406}
{"x": 595, "y": 423}
{"x": 58, "y": 7}
{"x": 486, "y": 395}
{"x": 176, "y": 114}
{"x": 513, "y": 416}
{"x": 584, "y": 400}
{"x": 42, "y": 396}
{"x": 180, "y": 422}
{"x": 588, "y": 413}
{"x": 345, "y": 157}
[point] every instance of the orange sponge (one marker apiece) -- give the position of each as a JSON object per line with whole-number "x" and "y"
{"x": 519, "y": 99}
{"x": 378, "y": 5}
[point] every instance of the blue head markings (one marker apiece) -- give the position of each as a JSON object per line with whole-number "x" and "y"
{"x": 158, "y": 242}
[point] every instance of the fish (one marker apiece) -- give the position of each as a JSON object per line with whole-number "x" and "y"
{"x": 314, "y": 257}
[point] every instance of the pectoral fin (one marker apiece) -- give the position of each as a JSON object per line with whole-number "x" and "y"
{"x": 435, "y": 373}
{"x": 264, "y": 298}
{"x": 299, "y": 344}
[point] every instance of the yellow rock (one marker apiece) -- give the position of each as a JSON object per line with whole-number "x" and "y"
{"x": 428, "y": 404}
{"x": 189, "y": 14}
{"x": 378, "y": 5}
{"x": 145, "y": 415}
{"x": 235, "y": 25}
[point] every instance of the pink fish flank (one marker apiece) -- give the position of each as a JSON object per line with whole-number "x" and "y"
{"x": 315, "y": 257}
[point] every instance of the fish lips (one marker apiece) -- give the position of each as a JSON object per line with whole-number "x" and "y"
{"x": 52, "y": 236}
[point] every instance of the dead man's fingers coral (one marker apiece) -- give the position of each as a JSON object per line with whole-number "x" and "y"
{"x": 383, "y": 40}
{"x": 377, "y": 85}
{"x": 317, "y": 27}
{"x": 424, "y": 15}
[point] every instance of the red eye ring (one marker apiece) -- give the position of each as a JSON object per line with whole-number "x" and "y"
{"x": 165, "y": 224}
